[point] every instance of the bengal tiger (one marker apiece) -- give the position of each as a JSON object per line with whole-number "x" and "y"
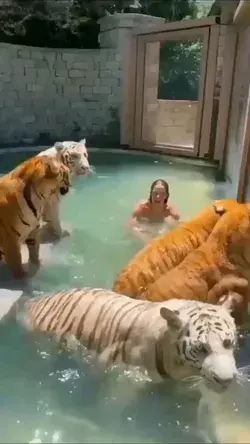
{"x": 167, "y": 251}
{"x": 220, "y": 264}
{"x": 174, "y": 339}
{"x": 23, "y": 193}
{"x": 75, "y": 156}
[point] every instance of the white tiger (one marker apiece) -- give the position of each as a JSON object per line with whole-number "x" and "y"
{"x": 75, "y": 156}
{"x": 175, "y": 338}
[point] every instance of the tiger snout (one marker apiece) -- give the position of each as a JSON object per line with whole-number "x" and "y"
{"x": 85, "y": 171}
{"x": 219, "y": 371}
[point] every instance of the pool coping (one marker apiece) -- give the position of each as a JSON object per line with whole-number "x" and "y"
{"x": 164, "y": 157}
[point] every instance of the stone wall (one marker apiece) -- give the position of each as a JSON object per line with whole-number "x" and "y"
{"x": 176, "y": 122}
{"x": 55, "y": 94}
{"x": 49, "y": 94}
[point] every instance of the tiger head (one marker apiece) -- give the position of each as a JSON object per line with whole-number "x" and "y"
{"x": 46, "y": 174}
{"x": 75, "y": 156}
{"x": 205, "y": 336}
{"x": 232, "y": 234}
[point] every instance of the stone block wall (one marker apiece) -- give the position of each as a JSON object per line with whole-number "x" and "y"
{"x": 55, "y": 94}
{"x": 176, "y": 122}
{"x": 50, "y": 94}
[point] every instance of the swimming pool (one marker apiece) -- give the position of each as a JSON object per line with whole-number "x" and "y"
{"x": 51, "y": 397}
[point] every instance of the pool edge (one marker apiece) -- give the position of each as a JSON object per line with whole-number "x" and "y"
{"x": 162, "y": 156}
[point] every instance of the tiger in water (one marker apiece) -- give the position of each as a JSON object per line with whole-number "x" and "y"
{"x": 23, "y": 194}
{"x": 174, "y": 339}
{"x": 167, "y": 251}
{"x": 75, "y": 156}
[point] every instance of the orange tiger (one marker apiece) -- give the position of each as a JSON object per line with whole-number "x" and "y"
{"x": 167, "y": 251}
{"x": 23, "y": 193}
{"x": 220, "y": 265}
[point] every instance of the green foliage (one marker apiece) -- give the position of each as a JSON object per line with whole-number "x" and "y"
{"x": 173, "y": 10}
{"x": 180, "y": 70}
{"x": 66, "y": 23}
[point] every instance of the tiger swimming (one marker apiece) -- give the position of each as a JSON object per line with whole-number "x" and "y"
{"x": 221, "y": 264}
{"x": 75, "y": 156}
{"x": 23, "y": 193}
{"x": 167, "y": 251}
{"x": 173, "y": 339}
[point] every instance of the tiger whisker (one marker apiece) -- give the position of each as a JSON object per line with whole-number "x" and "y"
{"x": 197, "y": 384}
{"x": 242, "y": 378}
{"x": 192, "y": 381}
{"x": 192, "y": 378}
{"x": 243, "y": 370}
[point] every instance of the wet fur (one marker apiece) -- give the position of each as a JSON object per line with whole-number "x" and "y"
{"x": 120, "y": 330}
{"x": 169, "y": 250}
{"x": 23, "y": 193}
{"x": 218, "y": 266}
{"x": 75, "y": 156}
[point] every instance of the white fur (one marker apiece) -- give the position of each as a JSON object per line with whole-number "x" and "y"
{"x": 141, "y": 333}
{"x": 77, "y": 153}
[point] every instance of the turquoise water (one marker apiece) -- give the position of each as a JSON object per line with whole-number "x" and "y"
{"x": 47, "y": 396}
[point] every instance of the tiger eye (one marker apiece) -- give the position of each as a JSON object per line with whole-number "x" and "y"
{"x": 203, "y": 349}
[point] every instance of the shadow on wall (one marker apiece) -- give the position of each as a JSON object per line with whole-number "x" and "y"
{"x": 111, "y": 138}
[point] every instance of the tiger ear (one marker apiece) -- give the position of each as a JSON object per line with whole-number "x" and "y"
{"x": 172, "y": 318}
{"x": 52, "y": 168}
{"x": 219, "y": 209}
{"x": 82, "y": 142}
{"x": 59, "y": 146}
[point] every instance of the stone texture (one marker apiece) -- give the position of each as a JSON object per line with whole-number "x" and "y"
{"x": 64, "y": 94}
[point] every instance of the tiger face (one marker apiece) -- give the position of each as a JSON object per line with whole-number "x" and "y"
{"x": 53, "y": 177}
{"x": 75, "y": 156}
{"x": 206, "y": 338}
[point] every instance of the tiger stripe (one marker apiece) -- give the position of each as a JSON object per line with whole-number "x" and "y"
{"x": 119, "y": 329}
{"x": 23, "y": 194}
{"x": 166, "y": 252}
{"x": 220, "y": 265}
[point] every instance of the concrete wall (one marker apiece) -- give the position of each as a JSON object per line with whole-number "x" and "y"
{"x": 58, "y": 93}
{"x": 174, "y": 122}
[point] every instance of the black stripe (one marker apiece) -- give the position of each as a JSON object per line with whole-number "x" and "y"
{"x": 67, "y": 315}
{"x": 159, "y": 360}
{"x": 27, "y": 197}
{"x": 23, "y": 221}
{"x": 54, "y": 317}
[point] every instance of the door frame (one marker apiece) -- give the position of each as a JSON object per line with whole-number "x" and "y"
{"x": 133, "y": 82}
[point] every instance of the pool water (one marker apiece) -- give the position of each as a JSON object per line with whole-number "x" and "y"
{"x": 47, "y": 396}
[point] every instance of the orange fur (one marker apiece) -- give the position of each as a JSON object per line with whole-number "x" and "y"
{"x": 219, "y": 266}
{"x": 167, "y": 251}
{"x": 23, "y": 193}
